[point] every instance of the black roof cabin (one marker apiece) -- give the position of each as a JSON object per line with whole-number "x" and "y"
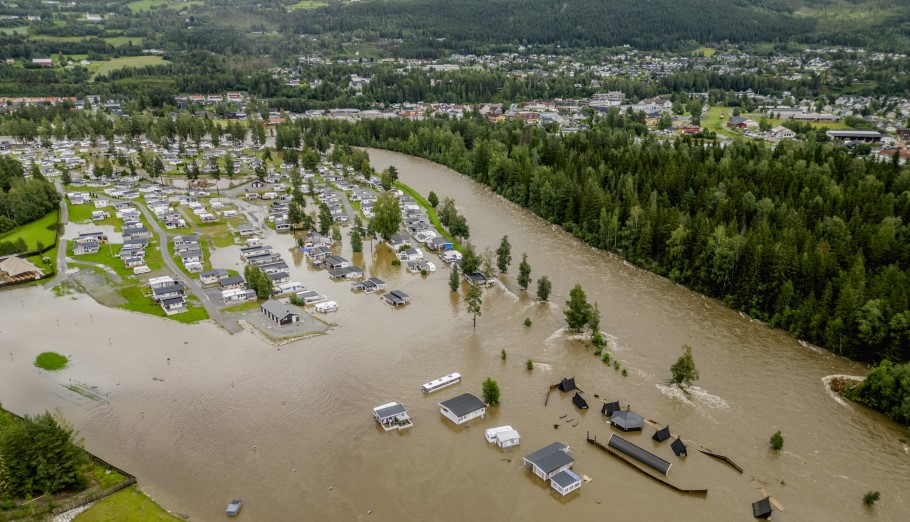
{"x": 579, "y": 402}
{"x": 567, "y": 385}
{"x": 762, "y": 508}
{"x": 678, "y": 447}
{"x": 662, "y": 434}
{"x": 610, "y": 407}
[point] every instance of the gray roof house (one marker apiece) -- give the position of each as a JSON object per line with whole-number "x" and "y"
{"x": 463, "y": 408}
{"x": 550, "y": 460}
{"x": 279, "y": 312}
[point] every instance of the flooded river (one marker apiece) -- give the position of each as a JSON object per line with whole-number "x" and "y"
{"x": 290, "y": 430}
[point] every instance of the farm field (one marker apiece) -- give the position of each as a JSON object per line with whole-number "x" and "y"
{"x": 130, "y": 61}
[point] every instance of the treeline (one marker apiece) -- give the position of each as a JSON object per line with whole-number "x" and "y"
{"x": 23, "y": 201}
{"x": 805, "y": 236}
{"x": 886, "y": 389}
{"x": 474, "y": 25}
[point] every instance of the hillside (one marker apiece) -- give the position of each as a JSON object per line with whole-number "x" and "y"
{"x": 477, "y": 25}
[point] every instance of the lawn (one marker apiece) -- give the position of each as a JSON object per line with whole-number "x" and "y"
{"x": 307, "y": 4}
{"x": 83, "y": 214}
{"x": 707, "y": 52}
{"x": 139, "y": 302}
{"x": 714, "y": 123}
{"x": 41, "y": 230}
{"x": 141, "y": 6}
{"x": 127, "y": 505}
{"x": 117, "y": 41}
{"x": 431, "y": 212}
{"x": 51, "y": 361}
{"x": 130, "y": 61}
{"x": 242, "y": 307}
{"x": 774, "y": 122}
{"x": 104, "y": 256}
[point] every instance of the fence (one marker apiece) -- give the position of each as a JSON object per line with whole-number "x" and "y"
{"x": 92, "y": 497}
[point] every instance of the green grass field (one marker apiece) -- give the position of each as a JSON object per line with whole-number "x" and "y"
{"x": 707, "y": 52}
{"x": 130, "y": 61}
{"x": 35, "y": 232}
{"x": 61, "y": 39}
{"x": 51, "y": 361}
{"x": 127, "y": 505}
{"x": 715, "y": 123}
{"x": 774, "y": 122}
{"x": 83, "y": 214}
{"x": 14, "y": 30}
{"x": 307, "y": 4}
{"x": 139, "y": 302}
{"x": 141, "y": 6}
{"x": 117, "y": 41}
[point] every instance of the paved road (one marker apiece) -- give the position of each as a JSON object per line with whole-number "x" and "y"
{"x": 215, "y": 314}
{"x": 61, "y": 247}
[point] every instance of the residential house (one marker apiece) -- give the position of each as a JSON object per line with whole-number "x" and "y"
{"x": 229, "y": 282}
{"x": 159, "y": 282}
{"x": 396, "y": 298}
{"x": 88, "y": 246}
{"x": 373, "y": 284}
{"x": 169, "y": 291}
{"x": 549, "y": 461}
{"x": 211, "y": 277}
{"x": 411, "y": 254}
{"x": 140, "y": 232}
{"x": 463, "y": 408}
{"x": 336, "y": 262}
{"x": 350, "y": 272}
{"x": 396, "y": 242}
{"x": 173, "y": 305}
{"x": 272, "y": 268}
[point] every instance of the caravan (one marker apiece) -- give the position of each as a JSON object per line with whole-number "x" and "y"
{"x": 328, "y": 306}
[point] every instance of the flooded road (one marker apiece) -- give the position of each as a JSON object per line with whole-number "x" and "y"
{"x": 289, "y": 430}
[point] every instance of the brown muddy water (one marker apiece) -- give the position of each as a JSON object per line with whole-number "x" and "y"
{"x": 290, "y": 430}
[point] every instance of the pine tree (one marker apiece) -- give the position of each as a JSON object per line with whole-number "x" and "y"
{"x": 524, "y": 272}
{"x": 454, "y": 280}
{"x": 504, "y": 255}
{"x": 356, "y": 242}
{"x": 473, "y": 301}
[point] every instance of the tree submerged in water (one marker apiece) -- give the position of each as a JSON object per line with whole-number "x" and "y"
{"x": 683, "y": 370}
{"x": 777, "y": 441}
{"x": 491, "y": 392}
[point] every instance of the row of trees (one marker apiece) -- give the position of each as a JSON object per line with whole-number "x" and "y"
{"x": 38, "y": 455}
{"x": 805, "y": 236}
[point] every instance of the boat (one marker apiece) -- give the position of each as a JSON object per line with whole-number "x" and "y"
{"x": 441, "y": 382}
{"x": 234, "y": 508}
{"x": 392, "y": 416}
{"x": 490, "y": 434}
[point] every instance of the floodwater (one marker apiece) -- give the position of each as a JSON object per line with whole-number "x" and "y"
{"x": 202, "y": 417}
